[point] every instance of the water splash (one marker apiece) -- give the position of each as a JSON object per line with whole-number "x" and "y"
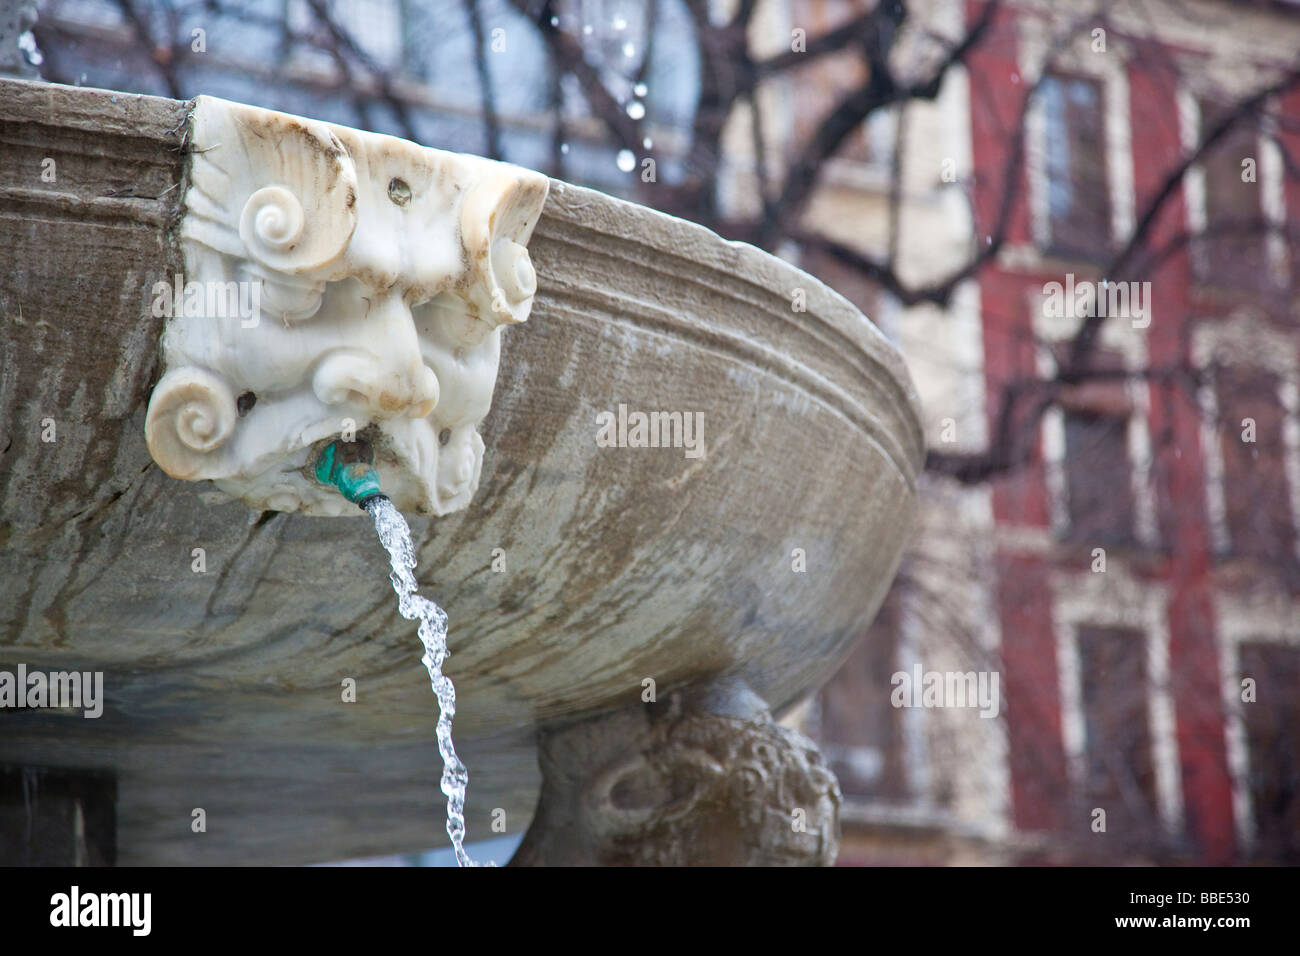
{"x": 395, "y": 535}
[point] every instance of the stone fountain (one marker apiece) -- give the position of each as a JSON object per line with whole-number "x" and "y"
{"x": 658, "y": 509}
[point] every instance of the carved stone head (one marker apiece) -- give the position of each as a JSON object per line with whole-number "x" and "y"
{"x": 703, "y": 778}
{"x": 338, "y": 284}
{"x": 718, "y": 791}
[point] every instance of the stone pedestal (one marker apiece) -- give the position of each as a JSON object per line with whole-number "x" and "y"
{"x": 701, "y": 777}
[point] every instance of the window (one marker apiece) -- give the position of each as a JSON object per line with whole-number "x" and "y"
{"x": 1257, "y": 504}
{"x": 1099, "y": 492}
{"x": 859, "y": 731}
{"x": 1078, "y": 198}
{"x": 1119, "y": 770}
{"x": 1273, "y": 738}
{"x": 1098, "y": 471}
{"x": 1234, "y": 250}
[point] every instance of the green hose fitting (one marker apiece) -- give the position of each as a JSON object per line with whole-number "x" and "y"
{"x": 348, "y": 466}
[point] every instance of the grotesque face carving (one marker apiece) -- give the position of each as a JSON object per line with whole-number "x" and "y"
{"x": 683, "y": 789}
{"x": 338, "y": 284}
{"x": 718, "y": 791}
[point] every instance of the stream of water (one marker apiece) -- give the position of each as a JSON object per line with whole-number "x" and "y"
{"x": 395, "y": 535}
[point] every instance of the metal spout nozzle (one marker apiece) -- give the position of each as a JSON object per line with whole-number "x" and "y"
{"x": 348, "y": 467}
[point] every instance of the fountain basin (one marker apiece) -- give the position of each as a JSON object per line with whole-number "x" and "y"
{"x": 577, "y": 573}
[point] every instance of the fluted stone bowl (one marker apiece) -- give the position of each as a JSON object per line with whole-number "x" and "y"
{"x": 578, "y": 574}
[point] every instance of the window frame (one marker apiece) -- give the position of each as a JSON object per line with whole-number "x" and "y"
{"x": 1117, "y": 600}
{"x": 1050, "y": 333}
{"x": 1055, "y": 246}
{"x": 1035, "y": 49}
{"x": 1270, "y": 177}
{"x": 1245, "y": 340}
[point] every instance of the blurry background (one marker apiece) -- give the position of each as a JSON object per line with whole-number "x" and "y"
{"x": 1111, "y": 500}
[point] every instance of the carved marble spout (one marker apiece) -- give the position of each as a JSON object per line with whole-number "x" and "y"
{"x": 337, "y": 284}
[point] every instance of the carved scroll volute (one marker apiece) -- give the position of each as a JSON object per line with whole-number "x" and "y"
{"x": 307, "y": 226}
{"x": 496, "y": 222}
{"x": 275, "y": 190}
{"x": 191, "y": 415}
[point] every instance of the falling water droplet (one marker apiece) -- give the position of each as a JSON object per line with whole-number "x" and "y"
{"x": 620, "y": 23}
{"x": 629, "y": 50}
{"x": 639, "y": 90}
{"x": 647, "y": 143}
{"x": 27, "y": 43}
{"x": 636, "y": 109}
{"x": 564, "y": 148}
{"x": 626, "y": 161}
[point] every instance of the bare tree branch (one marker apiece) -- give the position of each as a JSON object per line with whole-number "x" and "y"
{"x": 344, "y": 41}
{"x": 160, "y": 55}
{"x": 491, "y": 126}
{"x": 859, "y": 32}
{"x": 569, "y": 54}
{"x": 880, "y": 89}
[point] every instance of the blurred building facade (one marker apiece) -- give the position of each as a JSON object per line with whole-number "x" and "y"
{"x": 1135, "y": 585}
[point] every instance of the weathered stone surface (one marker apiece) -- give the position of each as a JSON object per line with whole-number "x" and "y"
{"x": 620, "y": 564}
